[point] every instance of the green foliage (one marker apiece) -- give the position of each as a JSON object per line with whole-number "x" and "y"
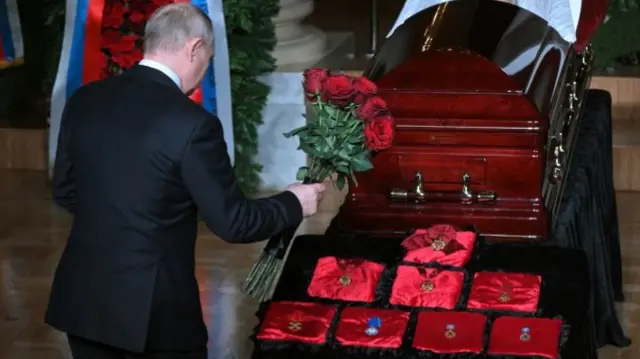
{"x": 624, "y": 5}
{"x": 334, "y": 140}
{"x": 617, "y": 42}
{"x": 53, "y": 15}
{"x": 251, "y": 38}
{"x": 25, "y": 90}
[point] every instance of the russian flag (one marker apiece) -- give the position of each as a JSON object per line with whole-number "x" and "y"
{"x": 80, "y": 63}
{"x": 11, "y": 44}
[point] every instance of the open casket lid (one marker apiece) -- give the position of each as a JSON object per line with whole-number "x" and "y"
{"x": 472, "y": 46}
{"x": 575, "y": 20}
{"x": 562, "y": 15}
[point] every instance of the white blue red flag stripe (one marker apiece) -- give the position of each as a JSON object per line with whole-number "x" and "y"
{"x": 216, "y": 88}
{"x": 80, "y": 64}
{"x": 11, "y": 44}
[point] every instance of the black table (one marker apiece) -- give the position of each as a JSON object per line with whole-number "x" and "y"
{"x": 588, "y": 218}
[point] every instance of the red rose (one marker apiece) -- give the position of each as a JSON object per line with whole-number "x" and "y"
{"x": 127, "y": 43}
{"x": 109, "y": 37}
{"x": 138, "y": 6}
{"x": 142, "y": 9}
{"x": 379, "y": 133}
{"x": 161, "y": 3}
{"x": 114, "y": 14}
{"x": 373, "y": 108}
{"x": 364, "y": 88}
{"x": 137, "y": 17}
{"x": 104, "y": 61}
{"x": 338, "y": 90}
{"x": 313, "y": 79}
{"x": 127, "y": 60}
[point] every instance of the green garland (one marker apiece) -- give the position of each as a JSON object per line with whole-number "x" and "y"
{"x": 24, "y": 90}
{"x": 624, "y": 5}
{"x": 251, "y": 36}
{"x": 617, "y": 42}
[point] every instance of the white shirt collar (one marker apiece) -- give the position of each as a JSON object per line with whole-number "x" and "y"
{"x": 162, "y": 68}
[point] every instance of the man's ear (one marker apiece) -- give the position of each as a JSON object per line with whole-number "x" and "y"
{"x": 193, "y": 45}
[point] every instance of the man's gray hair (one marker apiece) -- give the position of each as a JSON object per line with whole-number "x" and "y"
{"x": 171, "y": 26}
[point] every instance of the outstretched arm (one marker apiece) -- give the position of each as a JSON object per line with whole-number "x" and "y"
{"x": 209, "y": 177}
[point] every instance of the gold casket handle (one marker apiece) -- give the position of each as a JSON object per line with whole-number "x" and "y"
{"x": 557, "y": 168}
{"x": 418, "y": 194}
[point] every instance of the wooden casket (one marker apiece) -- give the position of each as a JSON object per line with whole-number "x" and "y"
{"x": 487, "y": 98}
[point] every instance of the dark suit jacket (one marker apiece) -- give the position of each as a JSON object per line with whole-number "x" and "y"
{"x": 137, "y": 161}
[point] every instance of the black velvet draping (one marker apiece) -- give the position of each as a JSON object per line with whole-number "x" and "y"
{"x": 588, "y": 218}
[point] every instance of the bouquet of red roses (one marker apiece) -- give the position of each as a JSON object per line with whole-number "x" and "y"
{"x": 347, "y": 123}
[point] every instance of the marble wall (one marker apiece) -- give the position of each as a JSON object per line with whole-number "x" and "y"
{"x": 299, "y": 46}
{"x": 283, "y": 112}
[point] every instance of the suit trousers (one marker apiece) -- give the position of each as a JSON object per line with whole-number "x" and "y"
{"x": 87, "y": 349}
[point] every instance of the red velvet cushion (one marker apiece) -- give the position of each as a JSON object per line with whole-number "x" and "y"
{"x": 354, "y": 327}
{"x": 505, "y": 291}
{"x": 441, "y": 244}
{"x": 352, "y": 280}
{"x": 526, "y": 337}
{"x": 426, "y": 287}
{"x": 450, "y": 332}
{"x": 297, "y": 322}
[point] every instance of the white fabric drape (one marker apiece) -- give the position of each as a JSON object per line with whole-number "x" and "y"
{"x": 562, "y": 15}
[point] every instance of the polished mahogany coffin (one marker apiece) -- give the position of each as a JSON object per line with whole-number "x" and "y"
{"x": 487, "y": 98}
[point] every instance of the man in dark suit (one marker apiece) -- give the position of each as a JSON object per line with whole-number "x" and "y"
{"x": 137, "y": 161}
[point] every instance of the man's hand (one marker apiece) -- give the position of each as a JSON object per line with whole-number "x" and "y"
{"x": 309, "y": 195}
